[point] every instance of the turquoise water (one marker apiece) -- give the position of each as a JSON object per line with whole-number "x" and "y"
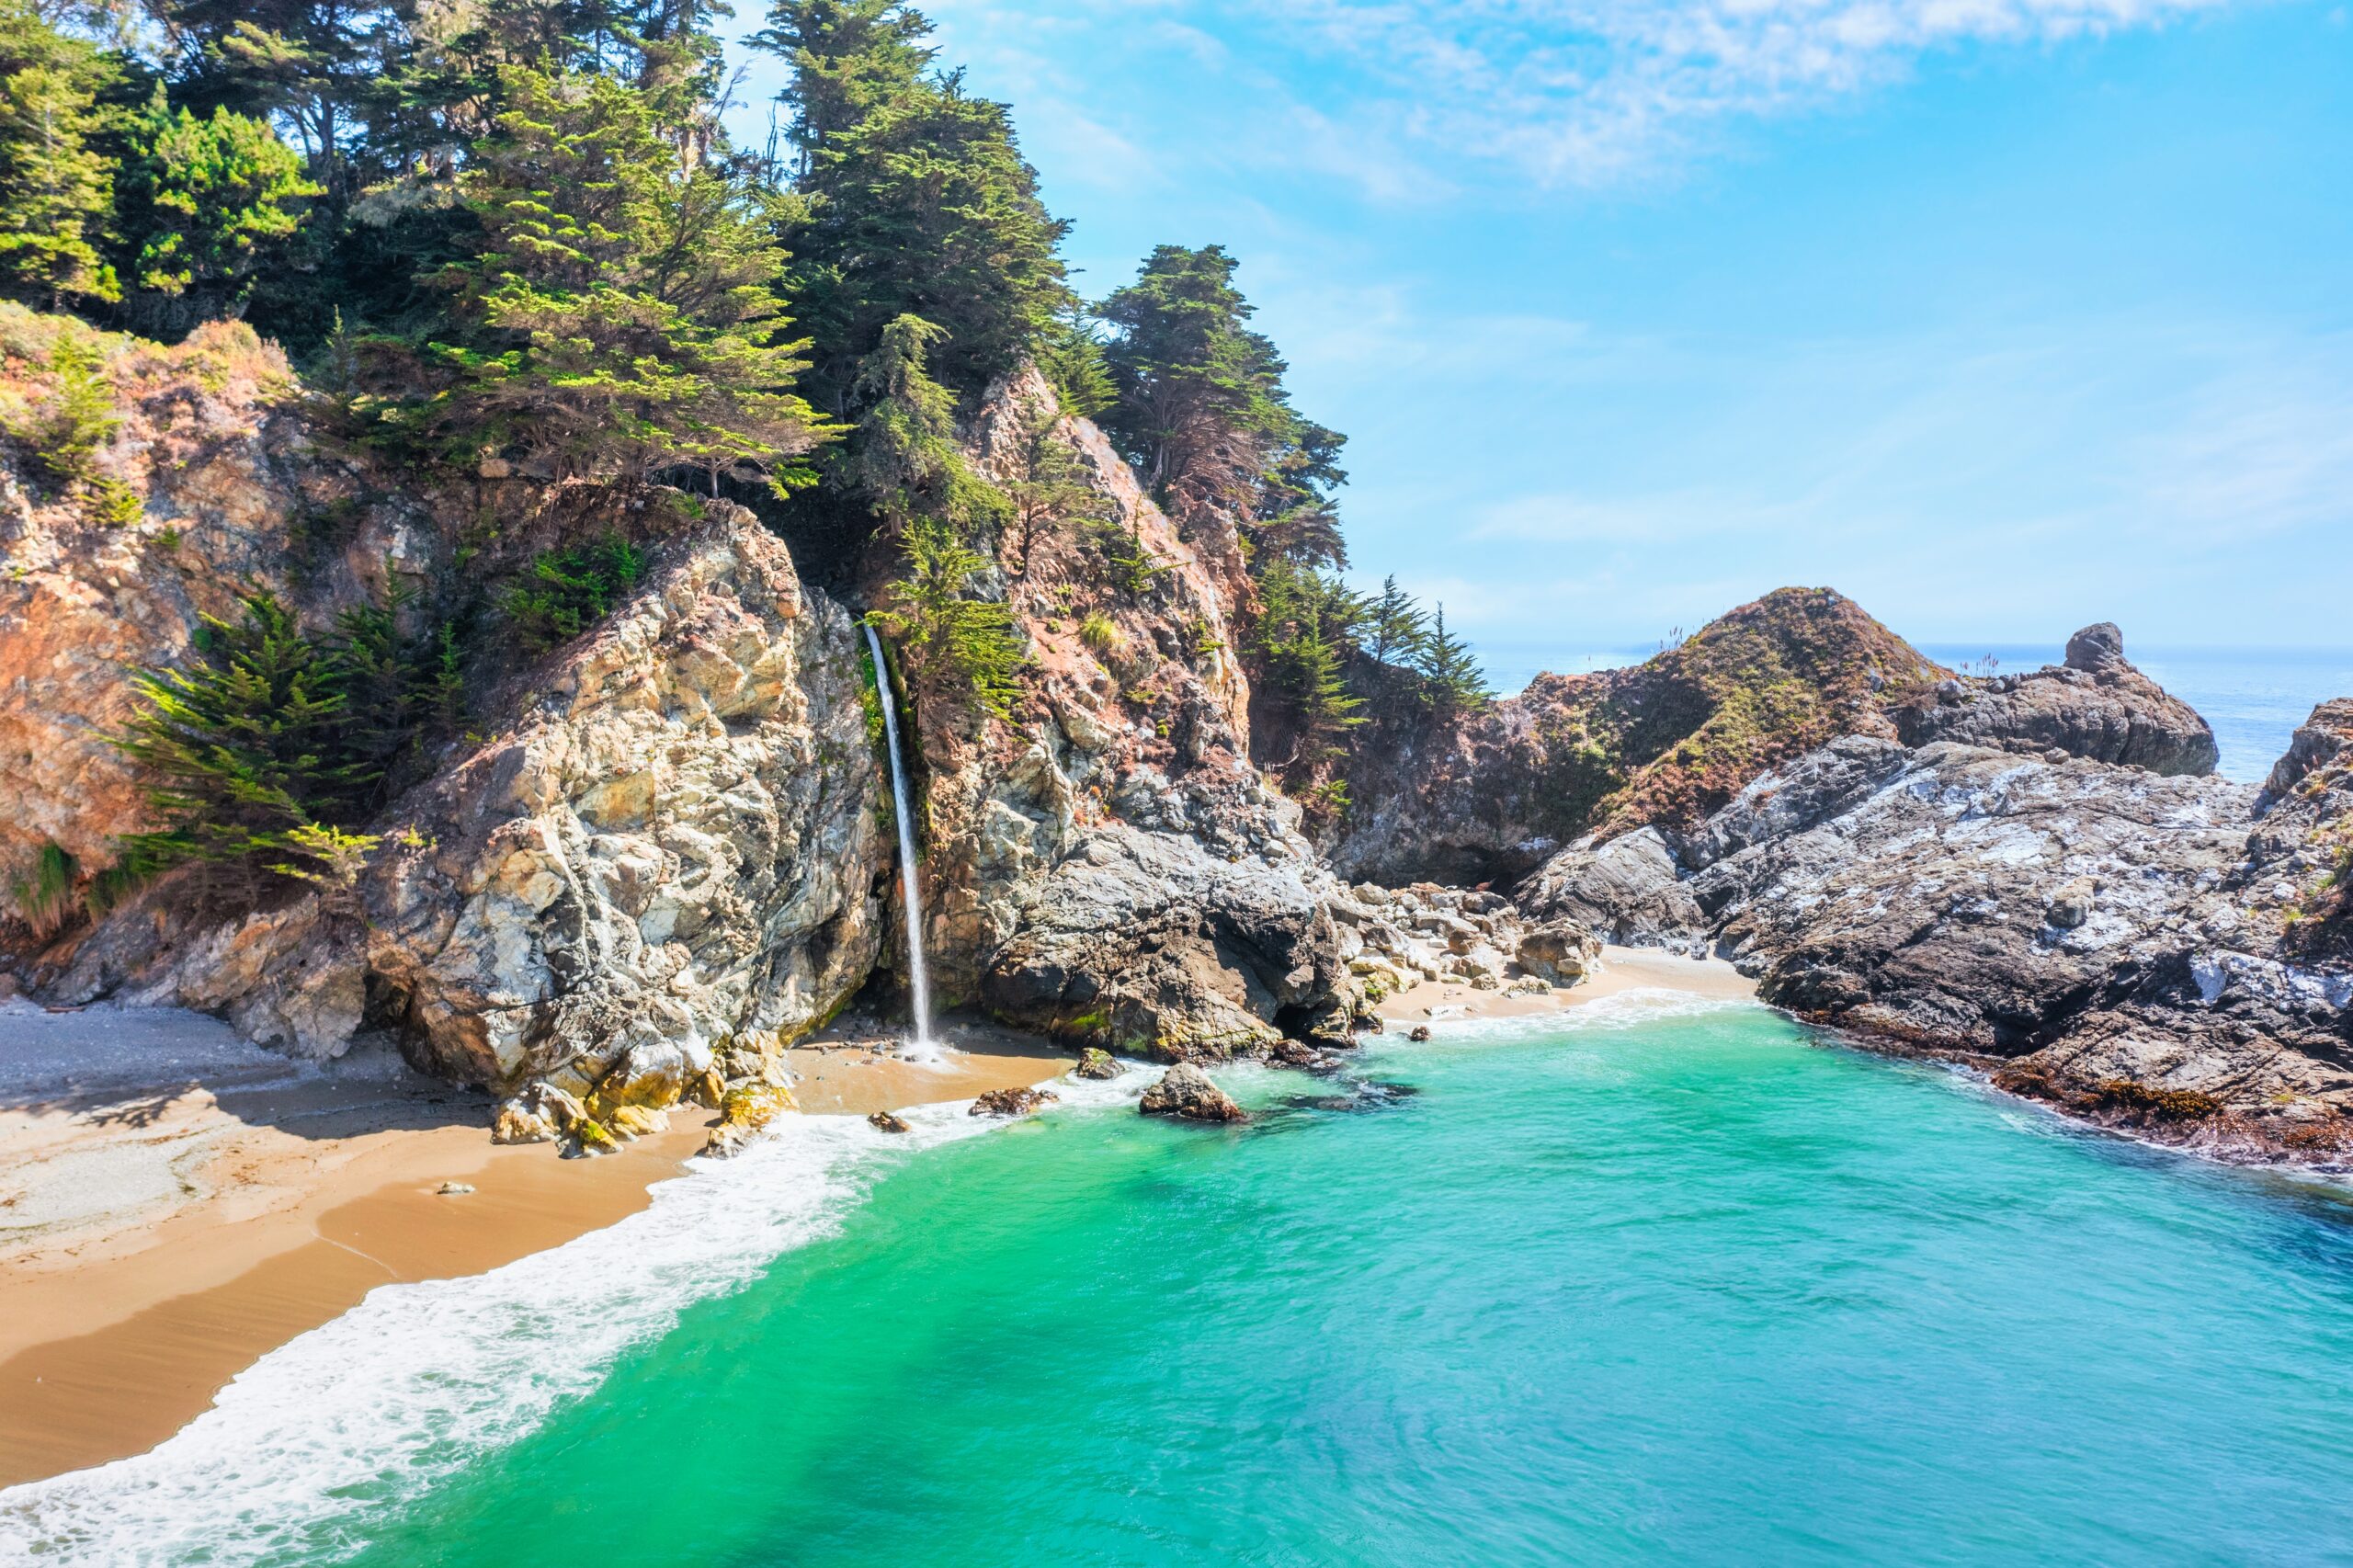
{"x": 1661, "y": 1286}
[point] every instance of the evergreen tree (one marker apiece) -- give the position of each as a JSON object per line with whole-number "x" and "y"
{"x": 1305, "y": 622}
{"x": 624, "y": 322}
{"x": 955, "y": 638}
{"x": 240, "y": 747}
{"x": 1395, "y": 630}
{"x": 1048, "y": 488}
{"x": 916, "y": 201}
{"x": 204, "y": 207}
{"x": 328, "y": 69}
{"x": 56, "y": 190}
{"x": 1070, "y": 356}
{"x": 1452, "y": 682}
{"x": 1201, "y": 411}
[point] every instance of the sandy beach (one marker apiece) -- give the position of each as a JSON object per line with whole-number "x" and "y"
{"x": 174, "y": 1203}
{"x": 1621, "y": 969}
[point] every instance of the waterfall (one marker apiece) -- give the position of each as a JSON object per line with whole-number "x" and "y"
{"x": 918, "y": 981}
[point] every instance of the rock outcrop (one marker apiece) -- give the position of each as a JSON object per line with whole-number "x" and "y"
{"x": 1107, "y": 866}
{"x": 2095, "y": 706}
{"x": 669, "y": 834}
{"x": 1493, "y": 796}
{"x": 1186, "y": 1092}
{"x": 2162, "y": 951}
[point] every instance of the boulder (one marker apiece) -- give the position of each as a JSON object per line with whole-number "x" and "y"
{"x": 1096, "y": 1063}
{"x": 1012, "y": 1102}
{"x": 884, "y": 1121}
{"x": 742, "y": 1113}
{"x": 1630, "y": 889}
{"x": 1560, "y": 952}
{"x": 1185, "y": 1091}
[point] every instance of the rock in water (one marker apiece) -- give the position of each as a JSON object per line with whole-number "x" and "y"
{"x": 1186, "y": 1091}
{"x": 1012, "y": 1102}
{"x": 884, "y": 1121}
{"x": 1419, "y": 1034}
{"x": 1096, "y": 1063}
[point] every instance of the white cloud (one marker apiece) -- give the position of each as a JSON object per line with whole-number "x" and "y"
{"x": 1583, "y": 90}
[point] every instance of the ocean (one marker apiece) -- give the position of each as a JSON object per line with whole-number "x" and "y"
{"x": 1654, "y": 1281}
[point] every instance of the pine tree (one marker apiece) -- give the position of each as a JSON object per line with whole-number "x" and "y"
{"x": 330, "y": 71}
{"x": 625, "y": 324}
{"x": 1070, "y": 356}
{"x": 1452, "y": 683}
{"x": 56, "y": 191}
{"x": 204, "y": 207}
{"x": 1048, "y": 488}
{"x": 918, "y": 201}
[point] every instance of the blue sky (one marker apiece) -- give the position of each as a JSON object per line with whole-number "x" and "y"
{"x": 2001, "y": 316}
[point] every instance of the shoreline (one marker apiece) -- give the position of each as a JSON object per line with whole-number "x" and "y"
{"x": 239, "y": 1200}
{"x": 1621, "y": 969}
{"x": 229, "y": 1201}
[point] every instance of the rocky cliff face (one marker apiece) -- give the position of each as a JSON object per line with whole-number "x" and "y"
{"x": 234, "y": 492}
{"x": 1107, "y": 866}
{"x": 667, "y": 832}
{"x": 665, "y": 846}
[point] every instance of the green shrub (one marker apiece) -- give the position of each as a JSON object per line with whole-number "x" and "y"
{"x": 953, "y": 637}
{"x": 264, "y": 751}
{"x": 567, "y": 591}
{"x": 1097, "y": 632}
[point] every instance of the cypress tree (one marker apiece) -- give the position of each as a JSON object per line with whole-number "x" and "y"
{"x": 916, "y": 201}
{"x": 204, "y": 207}
{"x": 56, "y": 191}
{"x": 623, "y": 319}
{"x": 1452, "y": 683}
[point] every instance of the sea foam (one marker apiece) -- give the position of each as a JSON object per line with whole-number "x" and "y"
{"x": 421, "y": 1378}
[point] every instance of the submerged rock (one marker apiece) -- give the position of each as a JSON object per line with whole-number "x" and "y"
{"x": 1187, "y": 1092}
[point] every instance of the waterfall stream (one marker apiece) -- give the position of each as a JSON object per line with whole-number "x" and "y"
{"x": 918, "y": 981}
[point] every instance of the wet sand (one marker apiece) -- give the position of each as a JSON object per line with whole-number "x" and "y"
{"x": 1622, "y": 970}
{"x": 158, "y": 1237}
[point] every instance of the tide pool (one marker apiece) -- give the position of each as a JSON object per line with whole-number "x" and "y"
{"x": 1663, "y": 1283}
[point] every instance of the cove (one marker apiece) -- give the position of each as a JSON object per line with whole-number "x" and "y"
{"x": 1661, "y": 1282}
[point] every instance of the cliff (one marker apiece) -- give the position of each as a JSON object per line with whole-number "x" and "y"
{"x": 662, "y": 846}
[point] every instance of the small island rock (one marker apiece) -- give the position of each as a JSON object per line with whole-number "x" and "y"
{"x": 1186, "y": 1091}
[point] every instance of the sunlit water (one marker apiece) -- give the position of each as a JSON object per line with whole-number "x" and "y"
{"x": 1660, "y": 1285}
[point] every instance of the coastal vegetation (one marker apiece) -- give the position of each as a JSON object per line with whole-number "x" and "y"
{"x": 517, "y": 243}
